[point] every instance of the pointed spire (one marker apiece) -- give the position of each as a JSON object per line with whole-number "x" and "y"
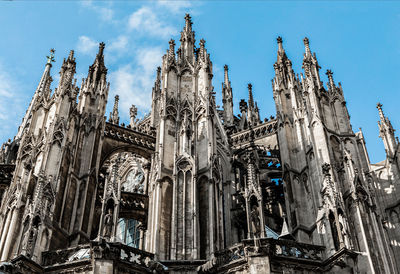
{"x": 280, "y": 47}
{"x": 307, "y": 46}
{"x": 188, "y": 22}
{"x": 114, "y": 115}
{"x": 171, "y": 52}
{"x": 386, "y": 132}
{"x": 187, "y": 40}
{"x": 41, "y": 88}
{"x": 330, "y": 77}
{"x": 381, "y": 114}
{"x": 226, "y": 77}
{"x": 98, "y": 71}
{"x": 251, "y": 101}
{"x": 227, "y": 99}
{"x": 50, "y": 58}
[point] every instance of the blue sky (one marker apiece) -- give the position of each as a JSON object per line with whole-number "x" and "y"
{"x": 359, "y": 41}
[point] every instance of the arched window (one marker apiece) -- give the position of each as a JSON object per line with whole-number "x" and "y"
{"x": 134, "y": 181}
{"x": 128, "y": 232}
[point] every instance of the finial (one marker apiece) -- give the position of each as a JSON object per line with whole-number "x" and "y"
{"x": 330, "y": 77}
{"x": 202, "y": 43}
{"x": 226, "y": 68}
{"x": 251, "y": 101}
{"x": 50, "y": 58}
{"x": 171, "y": 48}
{"x": 188, "y": 20}
{"x": 279, "y": 40}
{"x": 71, "y": 55}
{"x": 307, "y": 45}
{"x": 381, "y": 114}
{"x": 101, "y": 48}
{"x": 116, "y": 98}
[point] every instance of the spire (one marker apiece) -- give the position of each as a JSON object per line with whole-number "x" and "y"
{"x": 386, "y": 132}
{"x": 330, "y": 77}
{"x": 50, "y": 58}
{"x": 280, "y": 48}
{"x": 187, "y": 40}
{"x": 114, "y": 115}
{"x": 171, "y": 51}
{"x": 188, "y": 23}
{"x": 44, "y": 82}
{"x": 307, "y": 46}
{"x": 98, "y": 70}
{"x": 310, "y": 65}
{"x": 202, "y": 49}
{"x": 67, "y": 73}
{"x": 227, "y": 99}
{"x": 381, "y": 114}
{"x": 251, "y": 101}
{"x": 226, "y": 77}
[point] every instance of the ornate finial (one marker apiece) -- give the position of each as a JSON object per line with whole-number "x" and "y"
{"x": 243, "y": 105}
{"x": 307, "y": 45}
{"x": 50, "y": 58}
{"x": 202, "y": 43}
{"x": 133, "y": 113}
{"x": 325, "y": 168}
{"x": 101, "y": 48}
{"x": 250, "y": 87}
{"x": 188, "y": 20}
{"x": 379, "y": 107}
{"x": 71, "y": 55}
{"x": 279, "y": 40}
{"x": 226, "y": 68}
{"x": 330, "y": 77}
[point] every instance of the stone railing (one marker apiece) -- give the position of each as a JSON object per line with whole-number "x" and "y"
{"x": 66, "y": 255}
{"x": 259, "y": 131}
{"x": 237, "y": 254}
{"x": 130, "y": 136}
{"x": 99, "y": 250}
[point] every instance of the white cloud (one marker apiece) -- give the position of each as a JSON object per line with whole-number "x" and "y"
{"x": 105, "y": 13}
{"x": 7, "y": 86}
{"x": 119, "y": 44}
{"x": 145, "y": 21}
{"x": 11, "y": 106}
{"x": 175, "y": 6}
{"x": 134, "y": 84}
{"x": 86, "y": 45}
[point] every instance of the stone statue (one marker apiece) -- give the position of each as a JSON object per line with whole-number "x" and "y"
{"x": 133, "y": 113}
{"x": 108, "y": 224}
{"x": 255, "y": 222}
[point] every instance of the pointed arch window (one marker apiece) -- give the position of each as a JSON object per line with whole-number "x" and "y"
{"x": 128, "y": 232}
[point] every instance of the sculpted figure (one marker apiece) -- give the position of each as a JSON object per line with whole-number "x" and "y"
{"x": 255, "y": 221}
{"x": 108, "y": 224}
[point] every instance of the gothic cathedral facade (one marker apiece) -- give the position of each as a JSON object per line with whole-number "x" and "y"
{"x": 192, "y": 187}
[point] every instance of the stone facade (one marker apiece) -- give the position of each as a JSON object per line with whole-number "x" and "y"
{"x": 192, "y": 188}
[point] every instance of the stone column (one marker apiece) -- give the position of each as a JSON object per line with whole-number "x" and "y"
{"x": 5, "y": 231}
{"x": 10, "y": 233}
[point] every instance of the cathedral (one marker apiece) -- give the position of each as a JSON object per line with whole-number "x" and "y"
{"x": 193, "y": 187}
